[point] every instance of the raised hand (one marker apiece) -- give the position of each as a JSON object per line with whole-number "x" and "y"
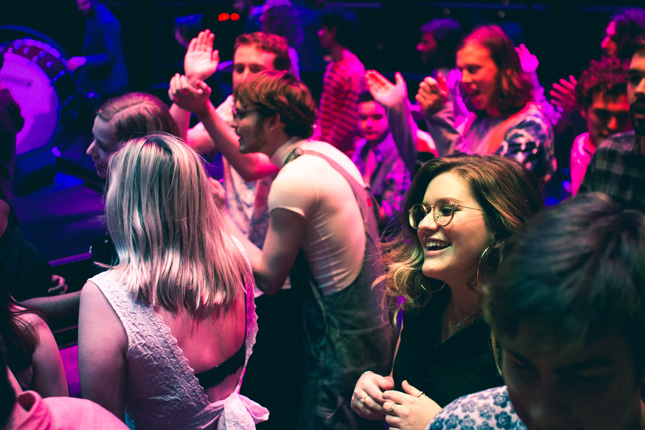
{"x": 385, "y": 92}
{"x": 191, "y": 98}
{"x": 432, "y": 93}
{"x": 563, "y": 95}
{"x": 528, "y": 61}
{"x": 200, "y": 61}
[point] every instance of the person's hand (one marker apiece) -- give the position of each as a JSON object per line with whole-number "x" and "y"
{"x": 385, "y": 92}
{"x": 563, "y": 95}
{"x": 367, "y": 399}
{"x": 528, "y": 61}
{"x": 219, "y": 194}
{"x": 410, "y": 410}
{"x": 200, "y": 61}
{"x": 432, "y": 93}
{"x": 191, "y": 98}
{"x": 75, "y": 62}
{"x": 58, "y": 285}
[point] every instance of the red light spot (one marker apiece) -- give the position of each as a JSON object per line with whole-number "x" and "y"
{"x": 223, "y": 17}
{"x": 235, "y": 16}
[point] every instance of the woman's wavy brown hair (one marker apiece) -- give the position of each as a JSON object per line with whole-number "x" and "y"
{"x": 507, "y": 192}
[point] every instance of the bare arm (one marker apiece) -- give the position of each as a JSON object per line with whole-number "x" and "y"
{"x": 61, "y": 310}
{"x": 200, "y": 62}
{"x": 102, "y": 344}
{"x": 284, "y": 238}
{"x": 49, "y": 373}
{"x": 196, "y": 99}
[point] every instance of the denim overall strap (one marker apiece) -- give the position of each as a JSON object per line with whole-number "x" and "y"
{"x": 345, "y": 333}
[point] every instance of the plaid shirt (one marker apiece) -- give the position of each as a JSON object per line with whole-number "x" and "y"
{"x": 618, "y": 170}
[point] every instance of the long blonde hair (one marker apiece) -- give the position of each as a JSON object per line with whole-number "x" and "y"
{"x": 173, "y": 251}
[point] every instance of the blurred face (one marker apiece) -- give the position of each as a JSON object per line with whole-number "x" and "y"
{"x": 85, "y": 6}
{"x": 326, "y": 37}
{"x": 427, "y": 46}
{"x": 249, "y": 61}
{"x": 607, "y": 115}
{"x": 249, "y": 126}
{"x": 593, "y": 387}
{"x": 102, "y": 146}
{"x": 608, "y": 44}
{"x": 451, "y": 253}
{"x": 373, "y": 121}
{"x": 478, "y": 76}
{"x": 636, "y": 92}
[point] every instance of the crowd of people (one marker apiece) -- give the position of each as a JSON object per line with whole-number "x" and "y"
{"x": 391, "y": 261}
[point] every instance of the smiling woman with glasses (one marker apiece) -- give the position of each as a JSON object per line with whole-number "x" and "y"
{"x": 438, "y": 266}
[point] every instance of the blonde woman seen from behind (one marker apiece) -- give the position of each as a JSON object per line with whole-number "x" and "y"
{"x": 165, "y": 335}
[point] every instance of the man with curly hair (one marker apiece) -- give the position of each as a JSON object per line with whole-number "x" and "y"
{"x": 602, "y": 97}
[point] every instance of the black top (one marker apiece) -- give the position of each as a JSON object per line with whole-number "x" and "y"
{"x": 11, "y": 122}
{"x": 461, "y": 365}
{"x": 217, "y": 374}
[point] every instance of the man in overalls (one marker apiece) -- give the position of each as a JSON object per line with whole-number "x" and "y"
{"x": 323, "y": 234}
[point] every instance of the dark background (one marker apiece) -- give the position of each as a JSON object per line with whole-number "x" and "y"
{"x": 563, "y": 34}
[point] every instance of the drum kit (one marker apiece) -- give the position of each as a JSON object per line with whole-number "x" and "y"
{"x": 35, "y": 72}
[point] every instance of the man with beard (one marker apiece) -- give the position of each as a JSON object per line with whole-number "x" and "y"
{"x": 618, "y": 166}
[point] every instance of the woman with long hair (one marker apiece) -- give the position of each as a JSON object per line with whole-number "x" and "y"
{"x": 165, "y": 335}
{"x": 504, "y": 118}
{"x": 461, "y": 211}
{"x": 32, "y": 353}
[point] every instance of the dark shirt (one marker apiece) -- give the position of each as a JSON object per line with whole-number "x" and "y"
{"x": 105, "y": 70}
{"x": 618, "y": 170}
{"x": 22, "y": 267}
{"x": 11, "y": 122}
{"x": 444, "y": 371}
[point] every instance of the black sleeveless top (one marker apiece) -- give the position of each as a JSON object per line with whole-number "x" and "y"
{"x": 217, "y": 374}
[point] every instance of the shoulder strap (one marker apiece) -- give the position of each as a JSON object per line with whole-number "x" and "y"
{"x": 362, "y": 194}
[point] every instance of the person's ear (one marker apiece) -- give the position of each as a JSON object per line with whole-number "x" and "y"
{"x": 274, "y": 122}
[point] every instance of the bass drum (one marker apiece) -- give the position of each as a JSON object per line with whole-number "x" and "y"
{"x": 37, "y": 76}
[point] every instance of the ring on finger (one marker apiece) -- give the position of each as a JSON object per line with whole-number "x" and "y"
{"x": 421, "y": 394}
{"x": 392, "y": 408}
{"x": 362, "y": 401}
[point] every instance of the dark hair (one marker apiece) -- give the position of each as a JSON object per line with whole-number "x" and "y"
{"x": 275, "y": 92}
{"x": 507, "y": 192}
{"x": 283, "y": 20}
{"x": 574, "y": 274}
{"x": 271, "y": 43}
{"x": 448, "y": 34}
{"x": 638, "y": 44}
{"x": 135, "y": 115}
{"x": 629, "y": 24}
{"x": 514, "y": 88}
{"x": 344, "y": 21}
{"x": 365, "y": 96}
{"x": 20, "y": 337}
{"x": 7, "y": 393}
{"x": 607, "y": 76}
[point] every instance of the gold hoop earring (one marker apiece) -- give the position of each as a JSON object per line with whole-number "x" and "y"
{"x": 481, "y": 258}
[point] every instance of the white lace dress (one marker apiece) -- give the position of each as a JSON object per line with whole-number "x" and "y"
{"x": 162, "y": 391}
